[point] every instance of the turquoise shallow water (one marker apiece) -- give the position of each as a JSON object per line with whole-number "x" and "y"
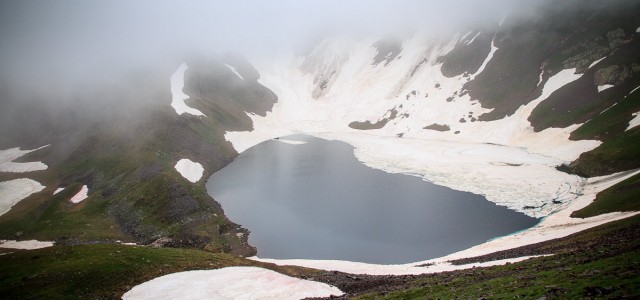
{"x": 317, "y": 201}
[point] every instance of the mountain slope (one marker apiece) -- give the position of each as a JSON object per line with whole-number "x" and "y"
{"x": 526, "y": 96}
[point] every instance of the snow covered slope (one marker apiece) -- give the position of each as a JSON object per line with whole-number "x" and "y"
{"x": 338, "y": 90}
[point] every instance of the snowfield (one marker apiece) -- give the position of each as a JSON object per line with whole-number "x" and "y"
{"x": 190, "y": 170}
{"x": 13, "y": 191}
{"x": 229, "y": 283}
{"x": 178, "y": 96}
{"x": 7, "y": 165}
{"x": 504, "y": 160}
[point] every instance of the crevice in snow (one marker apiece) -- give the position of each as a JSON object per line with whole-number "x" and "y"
{"x": 190, "y": 170}
{"x": 230, "y": 283}
{"x": 81, "y": 195}
{"x": 178, "y": 96}
{"x": 233, "y": 69}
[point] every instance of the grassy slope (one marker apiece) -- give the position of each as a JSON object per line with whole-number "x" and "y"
{"x": 102, "y": 271}
{"x": 580, "y": 101}
{"x": 127, "y": 157}
{"x": 610, "y": 122}
{"x": 600, "y": 262}
{"x": 624, "y": 196}
{"x": 619, "y": 153}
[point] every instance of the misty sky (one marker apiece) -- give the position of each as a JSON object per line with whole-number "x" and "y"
{"x": 74, "y": 37}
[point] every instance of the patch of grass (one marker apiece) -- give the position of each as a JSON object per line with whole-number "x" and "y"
{"x": 96, "y": 271}
{"x": 617, "y": 154}
{"x": 47, "y": 217}
{"x": 611, "y": 122}
{"x": 603, "y": 262}
{"x": 624, "y": 196}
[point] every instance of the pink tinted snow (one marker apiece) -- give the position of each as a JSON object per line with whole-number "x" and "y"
{"x": 81, "y": 195}
{"x": 230, "y": 283}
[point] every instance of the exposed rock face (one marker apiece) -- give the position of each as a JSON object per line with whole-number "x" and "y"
{"x": 388, "y": 50}
{"x": 438, "y": 127}
{"x": 615, "y": 74}
{"x": 467, "y": 56}
{"x": 616, "y": 38}
{"x": 583, "y": 54}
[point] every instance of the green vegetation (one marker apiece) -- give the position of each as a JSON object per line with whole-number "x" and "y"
{"x": 603, "y": 262}
{"x": 611, "y": 122}
{"x": 619, "y": 153}
{"x": 624, "y": 196}
{"x": 96, "y": 271}
{"x": 127, "y": 159}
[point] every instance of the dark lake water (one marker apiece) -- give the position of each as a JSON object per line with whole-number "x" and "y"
{"x": 317, "y": 201}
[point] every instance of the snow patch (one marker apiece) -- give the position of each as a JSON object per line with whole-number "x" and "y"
{"x": 604, "y": 87}
{"x": 632, "y": 91}
{"x": 26, "y": 245}
{"x": 233, "y": 69}
{"x": 9, "y": 155}
{"x": 488, "y": 59}
{"x": 474, "y": 38}
{"x": 190, "y": 170}
{"x": 230, "y": 283}
{"x": 596, "y": 62}
{"x": 58, "y": 190}
{"x": 635, "y": 121}
{"x": 81, "y": 195}
{"x": 407, "y": 269}
{"x": 638, "y": 29}
{"x": 178, "y": 96}
{"x": 12, "y": 191}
